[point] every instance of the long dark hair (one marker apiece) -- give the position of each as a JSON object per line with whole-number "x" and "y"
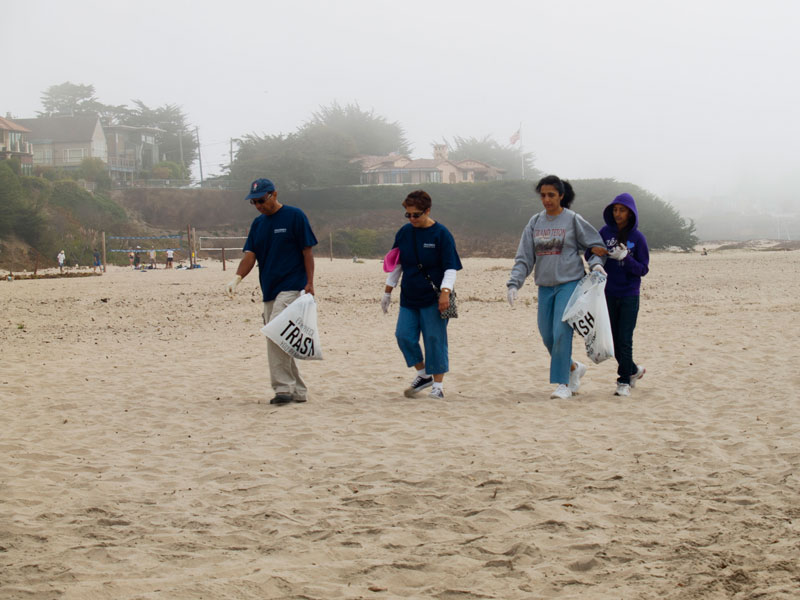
{"x": 562, "y": 185}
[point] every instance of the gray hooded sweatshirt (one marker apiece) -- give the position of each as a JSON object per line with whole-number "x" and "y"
{"x": 554, "y": 246}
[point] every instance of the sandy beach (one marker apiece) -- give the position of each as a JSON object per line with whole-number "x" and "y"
{"x": 139, "y": 457}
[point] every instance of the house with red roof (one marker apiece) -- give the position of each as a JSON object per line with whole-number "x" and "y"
{"x": 14, "y": 144}
{"x": 397, "y": 169}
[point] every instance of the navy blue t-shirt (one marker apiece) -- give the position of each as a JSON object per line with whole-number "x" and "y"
{"x": 437, "y": 252}
{"x": 277, "y": 241}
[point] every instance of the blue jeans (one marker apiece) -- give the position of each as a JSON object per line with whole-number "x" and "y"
{"x": 556, "y": 334}
{"x": 623, "y": 310}
{"x": 413, "y": 321}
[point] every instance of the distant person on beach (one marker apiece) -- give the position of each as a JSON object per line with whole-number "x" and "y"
{"x": 131, "y": 257}
{"x": 61, "y": 258}
{"x": 428, "y": 262}
{"x": 626, "y": 247}
{"x": 704, "y": 252}
{"x": 551, "y": 248}
{"x": 170, "y": 258}
{"x": 281, "y": 241}
{"x": 152, "y": 259}
{"x": 136, "y": 258}
{"x": 96, "y": 262}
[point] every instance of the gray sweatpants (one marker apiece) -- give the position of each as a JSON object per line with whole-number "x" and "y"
{"x": 283, "y": 372}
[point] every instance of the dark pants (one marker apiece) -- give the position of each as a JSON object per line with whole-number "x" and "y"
{"x": 623, "y": 312}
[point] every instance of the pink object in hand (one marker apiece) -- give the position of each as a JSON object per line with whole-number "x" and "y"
{"x": 391, "y": 259}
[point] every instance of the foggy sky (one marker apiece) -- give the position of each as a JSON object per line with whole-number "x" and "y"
{"x": 691, "y": 99}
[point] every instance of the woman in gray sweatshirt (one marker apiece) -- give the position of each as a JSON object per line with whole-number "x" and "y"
{"x": 551, "y": 247}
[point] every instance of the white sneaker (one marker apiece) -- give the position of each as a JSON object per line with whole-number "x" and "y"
{"x": 640, "y": 371}
{"x": 623, "y": 389}
{"x": 436, "y": 394}
{"x": 562, "y": 392}
{"x": 575, "y": 377}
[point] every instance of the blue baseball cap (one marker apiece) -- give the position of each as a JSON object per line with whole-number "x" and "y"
{"x": 260, "y": 188}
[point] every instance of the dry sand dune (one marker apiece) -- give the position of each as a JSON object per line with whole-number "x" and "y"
{"x": 139, "y": 460}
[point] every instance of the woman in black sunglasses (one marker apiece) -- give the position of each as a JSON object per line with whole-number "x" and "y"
{"x": 428, "y": 262}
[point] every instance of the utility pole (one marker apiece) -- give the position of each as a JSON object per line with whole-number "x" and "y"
{"x": 230, "y": 178}
{"x": 199, "y": 156}
{"x": 180, "y": 146}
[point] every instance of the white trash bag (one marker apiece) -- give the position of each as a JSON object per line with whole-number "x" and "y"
{"x": 587, "y": 314}
{"x": 295, "y": 331}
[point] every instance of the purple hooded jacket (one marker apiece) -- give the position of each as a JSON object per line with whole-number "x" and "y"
{"x": 625, "y": 276}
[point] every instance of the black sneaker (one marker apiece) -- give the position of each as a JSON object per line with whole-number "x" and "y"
{"x": 419, "y": 384}
{"x": 281, "y": 399}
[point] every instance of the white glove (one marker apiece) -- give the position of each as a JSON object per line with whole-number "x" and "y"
{"x": 600, "y": 269}
{"x": 230, "y": 289}
{"x": 618, "y": 252}
{"x": 386, "y": 300}
{"x": 513, "y": 294}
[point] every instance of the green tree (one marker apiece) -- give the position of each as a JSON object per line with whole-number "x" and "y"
{"x": 369, "y": 133}
{"x": 172, "y": 170}
{"x": 95, "y": 170}
{"x": 487, "y": 150}
{"x": 18, "y": 216}
{"x": 50, "y": 173}
{"x": 321, "y": 152}
{"x": 293, "y": 161}
{"x": 113, "y": 115}
{"x": 327, "y": 156}
{"x": 10, "y": 199}
{"x": 176, "y": 135}
{"x": 37, "y": 190}
{"x": 15, "y": 164}
{"x": 69, "y": 98}
{"x": 349, "y": 211}
{"x": 661, "y": 223}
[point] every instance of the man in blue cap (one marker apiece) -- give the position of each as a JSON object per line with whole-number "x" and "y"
{"x": 281, "y": 241}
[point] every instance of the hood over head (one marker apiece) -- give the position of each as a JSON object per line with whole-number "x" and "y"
{"x": 626, "y": 200}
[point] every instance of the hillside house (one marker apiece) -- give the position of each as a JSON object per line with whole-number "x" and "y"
{"x": 64, "y": 142}
{"x": 14, "y": 144}
{"x": 131, "y": 150}
{"x": 398, "y": 169}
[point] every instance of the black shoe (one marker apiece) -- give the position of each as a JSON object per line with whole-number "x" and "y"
{"x": 281, "y": 399}
{"x": 419, "y": 384}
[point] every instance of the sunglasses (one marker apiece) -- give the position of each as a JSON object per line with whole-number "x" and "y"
{"x": 415, "y": 215}
{"x": 255, "y": 201}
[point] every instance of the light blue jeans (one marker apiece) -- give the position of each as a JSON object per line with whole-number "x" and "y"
{"x": 428, "y": 321}
{"x": 556, "y": 334}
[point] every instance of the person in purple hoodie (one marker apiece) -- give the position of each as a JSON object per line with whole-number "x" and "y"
{"x": 629, "y": 259}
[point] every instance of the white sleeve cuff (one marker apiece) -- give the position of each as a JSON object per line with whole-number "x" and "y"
{"x": 449, "y": 279}
{"x": 394, "y": 277}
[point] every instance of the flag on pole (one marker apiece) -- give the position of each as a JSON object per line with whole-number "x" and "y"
{"x": 515, "y": 137}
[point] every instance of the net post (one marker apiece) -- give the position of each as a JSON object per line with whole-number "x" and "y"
{"x": 189, "y": 243}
